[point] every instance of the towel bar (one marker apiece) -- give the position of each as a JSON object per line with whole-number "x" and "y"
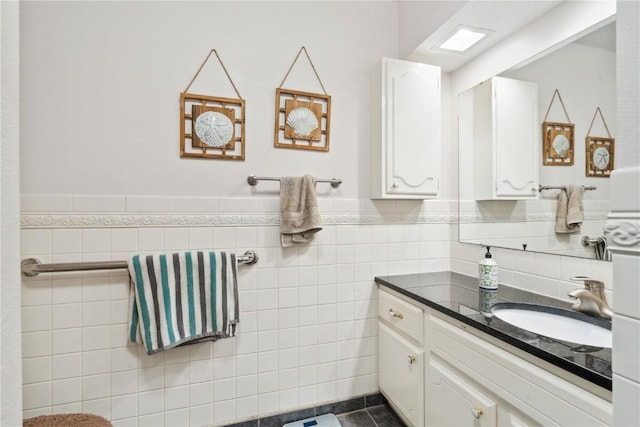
{"x": 253, "y": 180}
{"x": 562, "y": 187}
{"x": 32, "y": 266}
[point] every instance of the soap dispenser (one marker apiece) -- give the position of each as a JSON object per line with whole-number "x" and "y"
{"x": 488, "y": 272}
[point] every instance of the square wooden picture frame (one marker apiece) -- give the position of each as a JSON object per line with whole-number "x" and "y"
{"x": 193, "y": 106}
{"x": 302, "y": 120}
{"x": 558, "y": 144}
{"x": 600, "y": 156}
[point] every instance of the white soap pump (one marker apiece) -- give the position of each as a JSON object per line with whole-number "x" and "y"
{"x": 488, "y": 272}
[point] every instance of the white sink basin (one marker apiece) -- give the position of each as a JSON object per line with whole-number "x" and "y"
{"x": 556, "y": 323}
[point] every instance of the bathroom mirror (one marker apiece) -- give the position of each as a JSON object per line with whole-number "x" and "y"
{"x": 583, "y": 72}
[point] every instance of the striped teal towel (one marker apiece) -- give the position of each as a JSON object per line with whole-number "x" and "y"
{"x": 182, "y": 298}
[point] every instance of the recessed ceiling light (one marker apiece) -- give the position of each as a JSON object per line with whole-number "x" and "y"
{"x": 463, "y": 38}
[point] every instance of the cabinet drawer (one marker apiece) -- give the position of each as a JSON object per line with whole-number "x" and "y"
{"x": 401, "y": 315}
{"x": 401, "y": 374}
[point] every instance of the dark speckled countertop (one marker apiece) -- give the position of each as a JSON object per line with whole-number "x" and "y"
{"x": 458, "y": 296}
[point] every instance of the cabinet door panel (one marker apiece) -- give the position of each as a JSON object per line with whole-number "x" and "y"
{"x": 401, "y": 374}
{"x": 516, "y": 137}
{"x": 508, "y": 416}
{"x": 454, "y": 401}
{"x": 413, "y": 128}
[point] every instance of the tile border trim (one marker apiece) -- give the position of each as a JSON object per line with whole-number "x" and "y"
{"x": 44, "y": 221}
{"x": 125, "y": 220}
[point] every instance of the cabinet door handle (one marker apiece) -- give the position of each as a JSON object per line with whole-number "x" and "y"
{"x": 411, "y": 359}
{"x": 395, "y": 184}
{"x": 394, "y": 314}
{"x": 477, "y": 412}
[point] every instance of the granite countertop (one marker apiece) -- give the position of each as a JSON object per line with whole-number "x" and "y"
{"x": 458, "y": 296}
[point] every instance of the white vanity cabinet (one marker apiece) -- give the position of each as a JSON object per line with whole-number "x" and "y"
{"x": 405, "y": 130}
{"x": 401, "y": 356}
{"x": 506, "y": 139}
{"x": 470, "y": 378}
{"x": 496, "y": 383}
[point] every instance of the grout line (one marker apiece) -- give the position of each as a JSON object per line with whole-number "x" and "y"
{"x": 372, "y": 419}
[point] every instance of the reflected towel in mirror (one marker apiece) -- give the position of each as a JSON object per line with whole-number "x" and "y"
{"x": 570, "y": 212}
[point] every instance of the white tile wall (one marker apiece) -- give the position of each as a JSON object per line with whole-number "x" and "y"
{"x": 541, "y": 273}
{"x": 307, "y": 333}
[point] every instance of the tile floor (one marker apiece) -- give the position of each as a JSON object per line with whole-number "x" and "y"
{"x": 372, "y": 416}
{"x": 366, "y": 411}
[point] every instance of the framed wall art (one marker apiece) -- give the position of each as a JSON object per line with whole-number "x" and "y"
{"x": 557, "y": 138}
{"x": 600, "y": 152}
{"x": 212, "y": 127}
{"x": 302, "y": 119}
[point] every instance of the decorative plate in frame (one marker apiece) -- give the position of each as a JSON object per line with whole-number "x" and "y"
{"x": 600, "y": 157}
{"x": 212, "y": 127}
{"x": 302, "y": 119}
{"x": 600, "y": 152}
{"x": 557, "y": 138}
{"x": 557, "y": 143}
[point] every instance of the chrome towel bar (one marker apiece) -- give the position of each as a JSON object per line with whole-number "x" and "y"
{"x": 253, "y": 180}
{"x": 562, "y": 187}
{"x": 32, "y": 266}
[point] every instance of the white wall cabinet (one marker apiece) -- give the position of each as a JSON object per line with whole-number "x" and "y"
{"x": 469, "y": 378}
{"x": 405, "y": 130}
{"x": 506, "y": 139}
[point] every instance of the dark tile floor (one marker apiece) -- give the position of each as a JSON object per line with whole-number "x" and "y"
{"x": 372, "y": 416}
{"x": 366, "y": 411}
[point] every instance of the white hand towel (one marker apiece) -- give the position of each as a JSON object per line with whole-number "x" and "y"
{"x": 299, "y": 215}
{"x": 182, "y": 298}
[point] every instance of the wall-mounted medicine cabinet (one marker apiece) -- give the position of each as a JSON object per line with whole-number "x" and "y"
{"x": 405, "y": 130}
{"x": 498, "y": 121}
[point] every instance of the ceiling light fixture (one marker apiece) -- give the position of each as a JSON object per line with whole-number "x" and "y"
{"x": 463, "y": 38}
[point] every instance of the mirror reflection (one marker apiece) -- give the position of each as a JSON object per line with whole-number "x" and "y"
{"x": 557, "y": 198}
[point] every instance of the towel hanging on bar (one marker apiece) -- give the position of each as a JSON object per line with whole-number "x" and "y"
{"x": 182, "y": 298}
{"x": 299, "y": 215}
{"x": 570, "y": 211}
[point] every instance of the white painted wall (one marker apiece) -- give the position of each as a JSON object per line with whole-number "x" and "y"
{"x": 105, "y": 113}
{"x": 10, "y": 349}
{"x": 585, "y": 76}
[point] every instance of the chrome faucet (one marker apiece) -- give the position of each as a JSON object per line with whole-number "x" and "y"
{"x": 591, "y": 299}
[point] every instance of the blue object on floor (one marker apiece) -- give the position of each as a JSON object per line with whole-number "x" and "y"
{"x": 326, "y": 420}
